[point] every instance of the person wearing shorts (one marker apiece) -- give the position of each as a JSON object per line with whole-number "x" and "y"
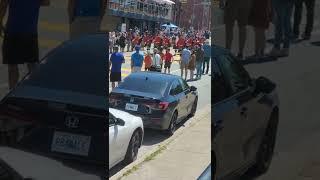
{"x": 237, "y": 11}
{"x": 168, "y": 59}
{"x": 185, "y": 58}
{"x": 20, "y": 43}
{"x": 136, "y": 60}
{"x": 116, "y": 61}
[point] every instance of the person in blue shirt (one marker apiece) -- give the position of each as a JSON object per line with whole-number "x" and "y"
{"x": 136, "y": 60}
{"x": 20, "y": 43}
{"x": 207, "y": 56}
{"x": 85, "y": 16}
{"x": 116, "y": 61}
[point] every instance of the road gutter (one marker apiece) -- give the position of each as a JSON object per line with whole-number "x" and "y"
{"x": 163, "y": 145}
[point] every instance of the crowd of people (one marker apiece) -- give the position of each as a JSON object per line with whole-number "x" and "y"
{"x": 260, "y": 14}
{"x": 157, "y": 51}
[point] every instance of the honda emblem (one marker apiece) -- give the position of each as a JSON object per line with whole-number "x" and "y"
{"x": 131, "y": 100}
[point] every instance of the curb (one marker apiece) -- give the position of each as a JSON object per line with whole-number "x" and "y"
{"x": 199, "y": 115}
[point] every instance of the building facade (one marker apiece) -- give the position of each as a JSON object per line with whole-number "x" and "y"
{"x": 143, "y": 14}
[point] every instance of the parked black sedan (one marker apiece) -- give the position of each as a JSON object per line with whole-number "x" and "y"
{"x": 161, "y": 100}
{"x": 60, "y": 108}
{"x": 245, "y": 119}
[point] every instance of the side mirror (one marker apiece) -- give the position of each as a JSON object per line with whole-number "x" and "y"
{"x": 120, "y": 122}
{"x": 192, "y": 88}
{"x": 264, "y": 85}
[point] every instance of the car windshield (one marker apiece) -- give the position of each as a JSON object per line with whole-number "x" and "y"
{"x": 75, "y": 66}
{"x": 147, "y": 85}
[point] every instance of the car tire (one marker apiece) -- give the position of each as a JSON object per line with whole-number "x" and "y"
{"x": 194, "y": 107}
{"x": 266, "y": 149}
{"x": 172, "y": 127}
{"x": 133, "y": 148}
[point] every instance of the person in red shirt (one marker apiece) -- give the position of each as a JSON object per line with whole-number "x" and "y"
{"x": 166, "y": 42}
{"x": 147, "y": 61}
{"x": 135, "y": 41}
{"x": 181, "y": 43}
{"x": 158, "y": 41}
{"x": 189, "y": 42}
{"x": 168, "y": 59}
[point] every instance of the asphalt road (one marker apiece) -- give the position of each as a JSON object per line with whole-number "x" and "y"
{"x": 297, "y": 77}
{"x": 153, "y": 138}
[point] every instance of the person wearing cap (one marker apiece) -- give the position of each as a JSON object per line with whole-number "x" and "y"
{"x": 85, "y": 16}
{"x": 116, "y": 61}
{"x": 207, "y": 56}
{"x": 136, "y": 60}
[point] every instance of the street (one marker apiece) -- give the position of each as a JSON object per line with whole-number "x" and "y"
{"x": 153, "y": 138}
{"x": 297, "y": 77}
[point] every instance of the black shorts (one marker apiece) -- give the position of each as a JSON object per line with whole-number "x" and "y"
{"x": 115, "y": 76}
{"x": 167, "y": 64}
{"x": 20, "y": 48}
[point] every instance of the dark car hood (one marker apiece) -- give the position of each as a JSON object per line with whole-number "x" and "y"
{"x": 68, "y": 97}
{"x": 137, "y": 93}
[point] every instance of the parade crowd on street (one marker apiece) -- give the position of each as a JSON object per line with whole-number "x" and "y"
{"x": 260, "y": 14}
{"x": 153, "y": 51}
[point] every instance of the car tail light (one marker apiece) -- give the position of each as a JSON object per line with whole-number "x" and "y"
{"x": 163, "y": 105}
{"x": 158, "y": 106}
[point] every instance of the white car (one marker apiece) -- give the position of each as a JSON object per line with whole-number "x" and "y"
{"x": 125, "y": 136}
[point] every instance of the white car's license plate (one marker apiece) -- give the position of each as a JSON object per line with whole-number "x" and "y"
{"x": 70, "y": 143}
{"x": 131, "y": 107}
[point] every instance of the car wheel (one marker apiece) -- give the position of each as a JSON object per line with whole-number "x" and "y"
{"x": 172, "y": 127}
{"x": 194, "y": 107}
{"x": 133, "y": 148}
{"x": 266, "y": 149}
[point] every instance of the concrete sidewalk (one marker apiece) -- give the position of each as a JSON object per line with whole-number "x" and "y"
{"x": 186, "y": 157}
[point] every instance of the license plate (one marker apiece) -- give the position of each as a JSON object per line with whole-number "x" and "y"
{"x": 131, "y": 107}
{"x": 71, "y": 143}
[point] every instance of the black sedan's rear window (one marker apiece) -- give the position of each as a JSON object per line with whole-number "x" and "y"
{"x": 147, "y": 85}
{"x": 77, "y": 66}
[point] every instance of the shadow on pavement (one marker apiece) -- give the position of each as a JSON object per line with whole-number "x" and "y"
{"x": 258, "y": 61}
{"x": 48, "y": 161}
{"x": 316, "y": 43}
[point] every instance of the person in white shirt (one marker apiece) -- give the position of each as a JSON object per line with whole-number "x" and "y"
{"x": 156, "y": 60}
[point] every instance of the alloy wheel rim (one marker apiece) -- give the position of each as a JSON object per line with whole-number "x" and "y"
{"x": 135, "y": 145}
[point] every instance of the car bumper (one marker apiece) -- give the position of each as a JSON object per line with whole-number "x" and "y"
{"x": 159, "y": 123}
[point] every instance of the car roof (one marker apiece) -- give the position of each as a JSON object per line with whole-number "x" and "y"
{"x": 155, "y": 75}
{"x": 218, "y": 50}
{"x": 75, "y": 66}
